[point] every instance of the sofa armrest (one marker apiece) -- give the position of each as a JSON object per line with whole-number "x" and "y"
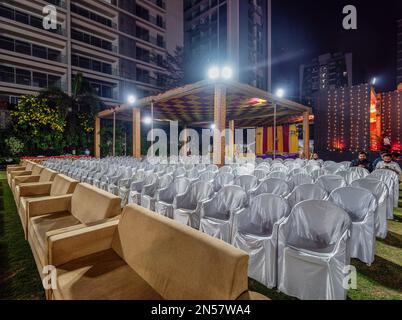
{"x": 15, "y": 168}
{"x": 40, "y": 207}
{"x": 26, "y": 179}
{"x": 251, "y": 295}
{"x": 35, "y": 189}
{"x": 68, "y": 246}
{"x": 14, "y": 174}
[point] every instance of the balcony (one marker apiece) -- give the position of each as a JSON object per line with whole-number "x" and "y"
{"x": 33, "y": 21}
{"x": 32, "y": 50}
{"x": 59, "y": 3}
{"x": 30, "y": 78}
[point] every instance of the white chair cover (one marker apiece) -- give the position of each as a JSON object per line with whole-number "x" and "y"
{"x": 257, "y": 234}
{"x": 300, "y": 179}
{"x": 391, "y": 179}
{"x": 306, "y": 192}
{"x": 149, "y": 192}
{"x": 187, "y": 206}
{"x": 380, "y": 191}
{"x": 313, "y": 251}
{"x": 331, "y": 182}
{"x": 247, "y": 182}
{"x": 166, "y": 196}
{"x": 222, "y": 179}
{"x": 361, "y": 205}
{"x": 136, "y": 187}
{"x": 315, "y": 174}
{"x": 356, "y": 173}
{"x": 218, "y": 214}
{"x": 272, "y": 186}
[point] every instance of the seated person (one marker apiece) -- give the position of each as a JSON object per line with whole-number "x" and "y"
{"x": 362, "y": 162}
{"x": 315, "y": 157}
{"x": 388, "y": 164}
{"x": 379, "y": 159}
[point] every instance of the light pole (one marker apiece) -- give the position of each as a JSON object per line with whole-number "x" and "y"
{"x": 280, "y": 93}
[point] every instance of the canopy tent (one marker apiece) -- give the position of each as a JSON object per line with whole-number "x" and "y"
{"x": 227, "y": 104}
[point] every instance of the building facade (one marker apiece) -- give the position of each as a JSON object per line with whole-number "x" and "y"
{"x": 328, "y": 71}
{"x": 232, "y": 32}
{"x": 399, "y": 53}
{"x": 119, "y": 46}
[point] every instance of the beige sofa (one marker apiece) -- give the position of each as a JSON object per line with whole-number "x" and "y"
{"x": 13, "y": 171}
{"x": 144, "y": 256}
{"x": 59, "y": 187}
{"x": 45, "y": 176}
{"x": 46, "y": 217}
{"x": 18, "y": 177}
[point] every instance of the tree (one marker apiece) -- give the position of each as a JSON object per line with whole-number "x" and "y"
{"x": 39, "y": 124}
{"x": 79, "y": 109}
{"x": 175, "y": 69}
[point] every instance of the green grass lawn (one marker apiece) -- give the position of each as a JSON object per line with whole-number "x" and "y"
{"x": 19, "y": 277}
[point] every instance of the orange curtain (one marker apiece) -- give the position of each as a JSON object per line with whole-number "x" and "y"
{"x": 280, "y": 138}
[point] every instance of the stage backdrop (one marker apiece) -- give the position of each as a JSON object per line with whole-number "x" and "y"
{"x": 287, "y": 140}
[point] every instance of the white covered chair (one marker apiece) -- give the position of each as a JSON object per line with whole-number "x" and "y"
{"x": 380, "y": 191}
{"x": 218, "y": 213}
{"x": 313, "y": 251}
{"x": 260, "y": 174}
{"x": 149, "y": 191}
{"x": 193, "y": 175}
{"x": 222, "y": 179}
{"x": 165, "y": 196}
{"x": 391, "y": 179}
{"x": 246, "y": 182}
{"x": 272, "y": 185}
{"x": 331, "y": 182}
{"x": 300, "y": 179}
{"x": 138, "y": 182}
{"x": 306, "y": 192}
{"x": 361, "y": 206}
{"x": 278, "y": 175}
{"x": 356, "y": 173}
{"x": 187, "y": 206}
{"x": 257, "y": 234}
{"x": 315, "y": 174}
{"x": 208, "y": 176}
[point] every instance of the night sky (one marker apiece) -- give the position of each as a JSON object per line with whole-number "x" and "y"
{"x": 303, "y": 29}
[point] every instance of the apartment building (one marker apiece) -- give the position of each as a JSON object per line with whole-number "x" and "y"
{"x": 399, "y": 53}
{"x": 233, "y": 32}
{"x": 119, "y": 46}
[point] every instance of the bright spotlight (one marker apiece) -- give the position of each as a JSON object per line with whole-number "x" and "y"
{"x": 214, "y": 73}
{"x": 213, "y": 126}
{"x": 374, "y": 81}
{"x": 227, "y": 73}
{"x": 280, "y": 93}
{"x": 147, "y": 120}
{"x": 131, "y": 99}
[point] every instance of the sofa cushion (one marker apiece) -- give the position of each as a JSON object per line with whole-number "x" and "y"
{"x": 37, "y": 169}
{"x": 47, "y": 175}
{"x": 90, "y": 204}
{"x": 178, "y": 261}
{"x": 101, "y": 276}
{"x": 62, "y": 185}
{"x": 38, "y": 226}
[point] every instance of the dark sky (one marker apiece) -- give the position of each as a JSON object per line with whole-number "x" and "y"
{"x": 303, "y": 29}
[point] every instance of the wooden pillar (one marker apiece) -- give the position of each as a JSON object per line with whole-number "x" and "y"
{"x": 220, "y": 124}
{"x": 136, "y": 133}
{"x": 231, "y": 139}
{"x": 97, "y": 139}
{"x": 306, "y": 134}
{"x": 185, "y": 141}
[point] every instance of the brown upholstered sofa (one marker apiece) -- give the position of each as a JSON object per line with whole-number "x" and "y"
{"x": 87, "y": 206}
{"x": 22, "y": 176}
{"x": 19, "y": 171}
{"x": 46, "y": 175}
{"x": 59, "y": 187}
{"x": 144, "y": 256}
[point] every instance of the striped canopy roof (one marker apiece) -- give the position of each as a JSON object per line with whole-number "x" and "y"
{"x": 193, "y": 105}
